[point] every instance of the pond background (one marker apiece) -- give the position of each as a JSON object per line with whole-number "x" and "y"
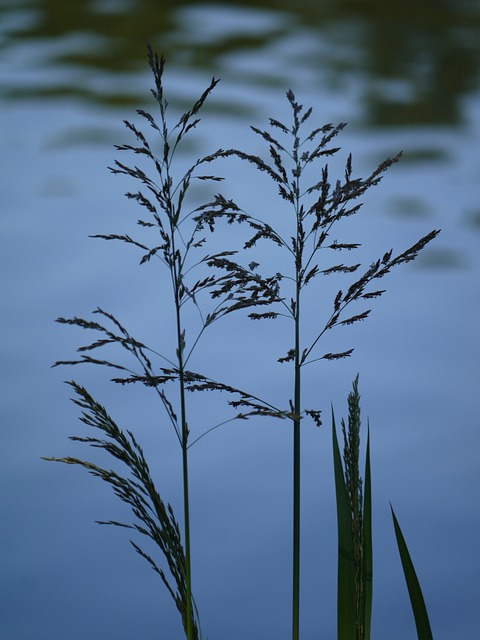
{"x": 404, "y": 76}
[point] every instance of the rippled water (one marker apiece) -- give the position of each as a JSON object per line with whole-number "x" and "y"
{"x": 404, "y": 76}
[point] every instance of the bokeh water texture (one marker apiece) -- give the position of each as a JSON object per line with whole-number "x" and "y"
{"x": 404, "y": 76}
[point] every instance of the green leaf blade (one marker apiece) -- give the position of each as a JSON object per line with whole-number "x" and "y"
{"x": 417, "y": 601}
{"x": 367, "y": 542}
{"x": 346, "y": 623}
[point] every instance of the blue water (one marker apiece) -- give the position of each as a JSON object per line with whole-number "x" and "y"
{"x": 405, "y": 78}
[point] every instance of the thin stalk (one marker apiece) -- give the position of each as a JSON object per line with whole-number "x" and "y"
{"x": 176, "y": 271}
{"x": 296, "y": 480}
{"x": 296, "y": 420}
{"x": 188, "y": 577}
{"x": 184, "y": 443}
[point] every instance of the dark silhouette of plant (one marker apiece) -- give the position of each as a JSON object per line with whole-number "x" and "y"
{"x": 154, "y": 519}
{"x": 354, "y": 518}
{"x": 179, "y": 236}
{"x": 180, "y": 242}
{"x": 316, "y": 209}
{"x": 355, "y": 547}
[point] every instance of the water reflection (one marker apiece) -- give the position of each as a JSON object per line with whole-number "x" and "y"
{"x": 71, "y": 70}
{"x": 416, "y": 60}
{"x": 422, "y": 58}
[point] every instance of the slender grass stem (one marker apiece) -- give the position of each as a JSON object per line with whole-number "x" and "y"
{"x": 188, "y": 571}
{"x": 186, "y": 493}
{"x": 297, "y": 409}
{"x": 296, "y": 484}
{"x": 177, "y": 278}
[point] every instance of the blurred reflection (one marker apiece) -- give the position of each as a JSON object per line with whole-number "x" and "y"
{"x": 416, "y": 59}
{"x": 421, "y": 58}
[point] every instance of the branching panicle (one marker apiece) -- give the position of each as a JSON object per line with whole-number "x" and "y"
{"x": 224, "y": 285}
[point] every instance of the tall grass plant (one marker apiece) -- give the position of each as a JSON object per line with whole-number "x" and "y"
{"x": 175, "y": 234}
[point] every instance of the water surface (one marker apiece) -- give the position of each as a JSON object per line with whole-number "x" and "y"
{"x": 404, "y": 76}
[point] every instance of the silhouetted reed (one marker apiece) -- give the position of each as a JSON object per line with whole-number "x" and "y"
{"x": 180, "y": 233}
{"x": 316, "y": 209}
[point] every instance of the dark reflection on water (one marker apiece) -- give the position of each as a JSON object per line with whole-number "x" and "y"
{"x": 416, "y": 59}
{"x": 431, "y": 50}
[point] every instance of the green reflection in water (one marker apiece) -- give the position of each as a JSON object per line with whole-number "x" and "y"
{"x": 416, "y": 60}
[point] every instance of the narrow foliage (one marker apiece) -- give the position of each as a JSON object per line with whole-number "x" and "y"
{"x": 134, "y": 486}
{"x": 173, "y": 234}
{"x": 353, "y": 482}
{"x": 355, "y": 557}
{"x": 417, "y": 601}
{"x": 355, "y": 545}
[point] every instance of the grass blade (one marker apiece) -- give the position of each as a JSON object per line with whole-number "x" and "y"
{"x": 346, "y": 623}
{"x": 367, "y": 543}
{"x": 417, "y": 601}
